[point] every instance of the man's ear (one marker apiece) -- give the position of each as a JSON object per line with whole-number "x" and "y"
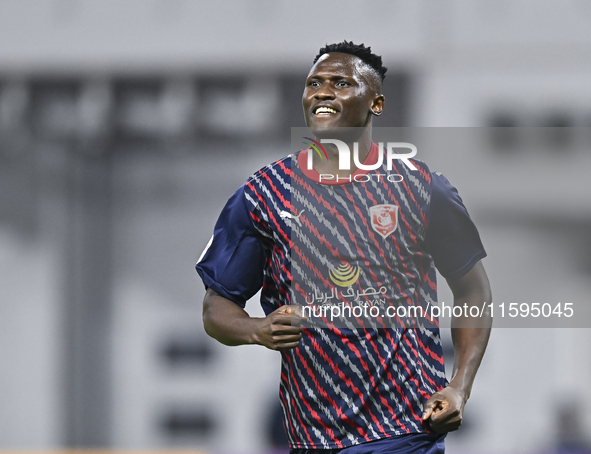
{"x": 377, "y": 105}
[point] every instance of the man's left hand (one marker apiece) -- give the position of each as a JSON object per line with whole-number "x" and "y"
{"x": 444, "y": 410}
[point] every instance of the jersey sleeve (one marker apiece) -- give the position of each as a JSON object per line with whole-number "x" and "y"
{"x": 452, "y": 238}
{"x": 233, "y": 262}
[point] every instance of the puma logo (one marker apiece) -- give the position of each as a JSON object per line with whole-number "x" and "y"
{"x": 287, "y": 214}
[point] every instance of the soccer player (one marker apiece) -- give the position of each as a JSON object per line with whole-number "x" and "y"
{"x": 372, "y": 388}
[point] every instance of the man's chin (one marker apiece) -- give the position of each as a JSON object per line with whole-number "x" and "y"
{"x": 344, "y": 133}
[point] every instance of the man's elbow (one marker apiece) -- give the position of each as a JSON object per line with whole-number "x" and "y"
{"x": 221, "y": 317}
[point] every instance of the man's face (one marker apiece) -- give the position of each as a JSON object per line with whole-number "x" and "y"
{"x": 339, "y": 93}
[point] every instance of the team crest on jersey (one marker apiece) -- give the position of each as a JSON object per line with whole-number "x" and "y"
{"x": 384, "y": 219}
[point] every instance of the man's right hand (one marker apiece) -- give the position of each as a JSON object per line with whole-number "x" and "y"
{"x": 281, "y": 329}
{"x": 230, "y": 324}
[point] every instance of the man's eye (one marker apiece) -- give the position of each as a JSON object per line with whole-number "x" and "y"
{"x": 341, "y": 83}
{"x": 314, "y": 83}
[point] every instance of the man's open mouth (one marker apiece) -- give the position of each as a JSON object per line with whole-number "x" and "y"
{"x": 324, "y": 110}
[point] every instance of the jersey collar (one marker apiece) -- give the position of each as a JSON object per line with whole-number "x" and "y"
{"x": 313, "y": 175}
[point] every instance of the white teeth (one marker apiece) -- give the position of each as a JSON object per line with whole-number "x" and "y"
{"x": 325, "y": 110}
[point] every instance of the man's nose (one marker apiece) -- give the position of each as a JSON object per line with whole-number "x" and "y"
{"x": 324, "y": 92}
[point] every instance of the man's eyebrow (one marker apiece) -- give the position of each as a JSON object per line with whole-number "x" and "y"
{"x": 331, "y": 76}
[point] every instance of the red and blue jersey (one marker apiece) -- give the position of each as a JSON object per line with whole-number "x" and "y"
{"x": 373, "y": 240}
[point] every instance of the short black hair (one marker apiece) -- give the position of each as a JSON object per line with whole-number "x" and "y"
{"x": 359, "y": 50}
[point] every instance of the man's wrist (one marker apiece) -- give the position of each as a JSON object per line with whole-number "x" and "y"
{"x": 461, "y": 388}
{"x": 252, "y": 333}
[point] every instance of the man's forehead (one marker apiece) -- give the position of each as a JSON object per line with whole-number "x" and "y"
{"x": 337, "y": 56}
{"x": 349, "y": 65}
{"x": 341, "y": 61}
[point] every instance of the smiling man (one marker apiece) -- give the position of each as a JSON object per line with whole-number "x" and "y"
{"x": 373, "y": 388}
{"x": 342, "y": 94}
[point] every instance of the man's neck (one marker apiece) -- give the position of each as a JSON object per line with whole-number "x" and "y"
{"x": 331, "y": 166}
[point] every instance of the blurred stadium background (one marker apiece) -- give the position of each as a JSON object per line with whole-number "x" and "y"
{"x": 126, "y": 124}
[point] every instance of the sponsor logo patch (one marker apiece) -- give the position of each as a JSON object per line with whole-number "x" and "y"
{"x": 345, "y": 275}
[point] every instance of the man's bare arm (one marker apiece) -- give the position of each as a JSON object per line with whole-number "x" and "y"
{"x": 445, "y": 409}
{"x": 227, "y": 322}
